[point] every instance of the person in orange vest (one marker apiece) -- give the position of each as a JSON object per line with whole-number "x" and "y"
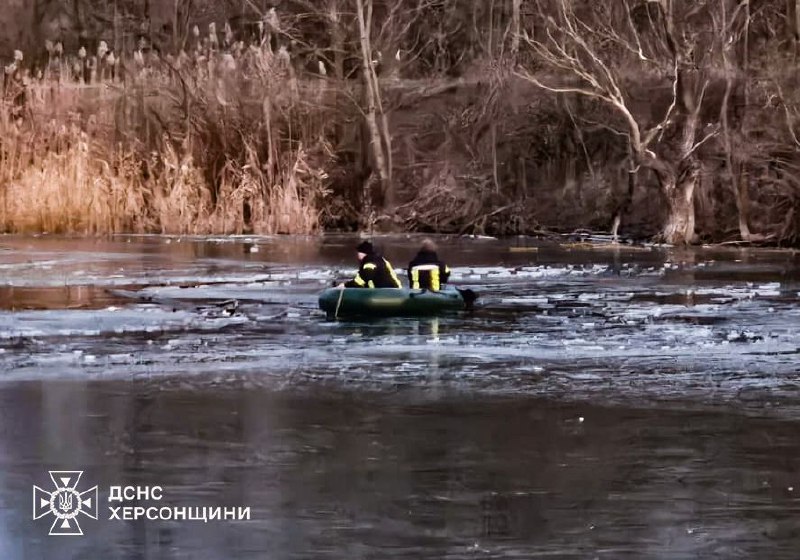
{"x": 426, "y": 271}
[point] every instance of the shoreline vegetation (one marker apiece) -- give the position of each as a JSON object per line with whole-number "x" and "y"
{"x": 160, "y": 148}
{"x": 673, "y": 120}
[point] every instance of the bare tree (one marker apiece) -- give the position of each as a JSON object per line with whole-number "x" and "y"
{"x": 372, "y": 94}
{"x": 597, "y": 50}
{"x": 730, "y": 28}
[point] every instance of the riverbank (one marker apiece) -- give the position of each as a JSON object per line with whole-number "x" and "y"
{"x": 213, "y": 149}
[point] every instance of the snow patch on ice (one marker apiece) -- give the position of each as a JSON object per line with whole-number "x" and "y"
{"x": 63, "y": 323}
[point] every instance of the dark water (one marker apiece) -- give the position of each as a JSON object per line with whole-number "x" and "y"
{"x": 602, "y": 403}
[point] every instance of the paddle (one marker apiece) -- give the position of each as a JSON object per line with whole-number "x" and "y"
{"x": 339, "y": 303}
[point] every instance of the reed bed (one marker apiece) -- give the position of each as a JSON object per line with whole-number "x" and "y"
{"x": 213, "y": 142}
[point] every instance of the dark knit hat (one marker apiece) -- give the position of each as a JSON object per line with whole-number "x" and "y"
{"x": 365, "y": 247}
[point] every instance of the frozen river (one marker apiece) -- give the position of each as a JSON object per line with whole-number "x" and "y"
{"x": 630, "y": 402}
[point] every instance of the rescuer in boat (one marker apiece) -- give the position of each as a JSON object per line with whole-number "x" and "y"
{"x": 374, "y": 271}
{"x": 426, "y": 271}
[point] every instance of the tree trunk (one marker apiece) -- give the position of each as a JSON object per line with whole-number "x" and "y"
{"x": 176, "y": 17}
{"x": 515, "y": 25}
{"x": 624, "y": 205}
{"x": 679, "y": 227}
{"x": 115, "y": 46}
{"x": 796, "y": 25}
{"x": 743, "y": 198}
{"x": 370, "y": 83}
{"x": 337, "y": 38}
{"x": 732, "y": 161}
{"x": 678, "y": 180}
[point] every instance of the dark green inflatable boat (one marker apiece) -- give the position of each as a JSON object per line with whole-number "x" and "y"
{"x": 388, "y": 302}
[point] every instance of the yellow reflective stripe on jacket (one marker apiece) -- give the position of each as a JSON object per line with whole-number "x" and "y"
{"x": 371, "y": 267}
{"x": 392, "y": 274}
{"x": 360, "y": 281}
{"x": 432, "y": 270}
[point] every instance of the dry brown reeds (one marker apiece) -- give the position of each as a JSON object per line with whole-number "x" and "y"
{"x": 208, "y": 143}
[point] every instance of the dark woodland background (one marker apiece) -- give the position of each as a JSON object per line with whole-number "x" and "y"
{"x": 672, "y": 119}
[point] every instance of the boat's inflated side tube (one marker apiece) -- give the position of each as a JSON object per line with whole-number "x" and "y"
{"x": 385, "y": 302}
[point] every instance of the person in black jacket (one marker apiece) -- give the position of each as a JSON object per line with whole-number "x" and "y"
{"x": 426, "y": 271}
{"x": 374, "y": 271}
